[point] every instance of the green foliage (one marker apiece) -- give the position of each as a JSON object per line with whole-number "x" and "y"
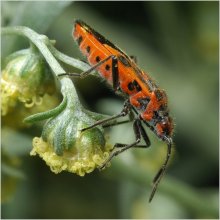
{"x": 36, "y": 15}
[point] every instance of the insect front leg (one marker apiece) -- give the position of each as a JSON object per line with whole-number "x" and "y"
{"x": 89, "y": 71}
{"x": 139, "y": 131}
{"x": 126, "y": 109}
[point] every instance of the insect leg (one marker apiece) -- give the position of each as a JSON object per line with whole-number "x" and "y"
{"x": 139, "y": 131}
{"x": 162, "y": 170}
{"x": 116, "y": 123}
{"x": 143, "y": 134}
{"x": 124, "y": 145}
{"x": 113, "y": 123}
{"x": 124, "y": 112}
{"x": 87, "y": 72}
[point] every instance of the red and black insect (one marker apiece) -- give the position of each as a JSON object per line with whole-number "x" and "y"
{"x": 143, "y": 97}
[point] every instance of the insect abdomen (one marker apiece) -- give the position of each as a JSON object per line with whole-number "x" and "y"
{"x": 93, "y": 50}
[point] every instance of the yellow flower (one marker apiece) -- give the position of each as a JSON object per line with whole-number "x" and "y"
{"x": 14, "y": 118}
{"x": 64, "y": 147}
{"x": 25, "y": 78}
{"x": 78, "y": 160}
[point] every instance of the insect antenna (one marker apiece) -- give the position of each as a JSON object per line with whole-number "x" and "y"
{"x": 162, "y": 170}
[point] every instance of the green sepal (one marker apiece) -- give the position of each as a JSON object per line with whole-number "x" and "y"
{"x": 48, "y": 114}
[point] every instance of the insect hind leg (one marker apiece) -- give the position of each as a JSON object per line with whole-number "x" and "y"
{"x": 139, "y": 131}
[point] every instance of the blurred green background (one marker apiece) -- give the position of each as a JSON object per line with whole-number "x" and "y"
{"x": 177, "y": 44}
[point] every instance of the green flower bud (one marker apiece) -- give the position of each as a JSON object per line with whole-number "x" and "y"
{"x": 25, "y": 78}
{"x": 64, "y": 146}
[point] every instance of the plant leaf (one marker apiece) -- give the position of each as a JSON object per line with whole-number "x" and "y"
{"x": 38, "y": 15}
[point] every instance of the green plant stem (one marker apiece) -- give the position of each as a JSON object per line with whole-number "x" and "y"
{"x": 39, "y": 42}
{"x": 183, "y": 194}
{"x": 68, "y": 60}
{"x": 42, "y": 42}
{"x": 46, "y": 47}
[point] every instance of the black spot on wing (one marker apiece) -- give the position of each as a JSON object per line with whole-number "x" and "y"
{"x": 107, "y": 67}
{"x": 88, "y": 49}
{"x": 134, "y": 85}
{"x": 97, "y": 59}
{"x": 130, "y": 86}
{"x": 79, "y": 40}
{"x": 137, "y": 86}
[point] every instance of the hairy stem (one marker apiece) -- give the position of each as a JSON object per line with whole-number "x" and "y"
{"x": 42, "y": 42}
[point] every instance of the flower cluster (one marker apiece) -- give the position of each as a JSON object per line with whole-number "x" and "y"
{"x": 26, "y": 78}
{"x": 63, "y": 145}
